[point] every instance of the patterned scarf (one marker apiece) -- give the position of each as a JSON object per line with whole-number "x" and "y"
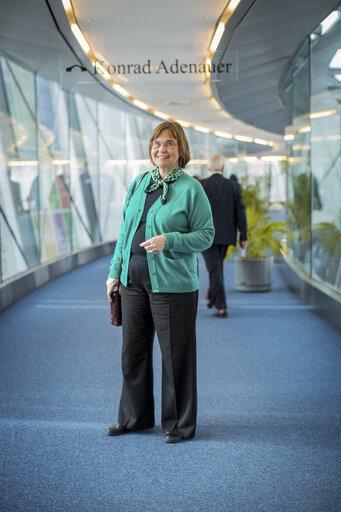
{"x": 158, "y": 182}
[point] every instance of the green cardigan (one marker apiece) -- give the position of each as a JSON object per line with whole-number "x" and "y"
{"x": 187, "y": 225}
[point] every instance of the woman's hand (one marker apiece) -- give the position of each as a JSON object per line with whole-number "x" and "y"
{"x": 111, "y": 284}
{"x": 154, "y": 245}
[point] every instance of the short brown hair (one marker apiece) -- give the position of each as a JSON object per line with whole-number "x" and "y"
{"x": 176, "y": 131}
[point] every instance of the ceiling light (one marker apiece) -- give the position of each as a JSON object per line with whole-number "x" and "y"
{"x": 67, "y": 5}
{"x": 60, "y": 162}
{"x": 217, "y": 36}
{"x": 120, "y": 90}
{"x": 140, "y": 104}
{"x": 80, "y": 38}
{"x": 243, "y": 138}
{"x": 160, "y": 114}
{"x": 22, "y": 163}
{"x": 225, "y": 135}
{"x": 201, "y": 129}
{"x": 329, "y": 21}
{"x": 324, "y": 113}
{"x": 273, "y": 158}
{"x": 183, "y": 123}
{"x": 305, "y": 129}
{"x": 336, "y": 60}
{"x": 250, "y": 158}
{"x": 233, "y": 160}
{"x": 233, "y": 4}
{"x": 289, "y": 137}
{"x": 261, "y": 141}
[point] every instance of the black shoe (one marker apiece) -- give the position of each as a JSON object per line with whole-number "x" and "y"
{"x": 220, "y": 313}
{"x": 117, "y": 430}
{"x": 173, "y": 438}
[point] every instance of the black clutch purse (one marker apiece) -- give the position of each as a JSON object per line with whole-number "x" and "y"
{"x": 115, "y": 309}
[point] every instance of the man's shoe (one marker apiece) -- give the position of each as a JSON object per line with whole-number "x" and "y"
{"x": 220, "y": 313}
{"x": 173, "y": 438}
{"x": 117, "y": 430}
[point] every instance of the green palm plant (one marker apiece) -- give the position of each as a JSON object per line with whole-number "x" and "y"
{"x": 265, "y": 236}
{"x": 254, "y": 270}
{"x": 253, "y": 199}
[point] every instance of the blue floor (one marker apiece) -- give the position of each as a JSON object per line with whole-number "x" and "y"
{"x": 268, "y": 435}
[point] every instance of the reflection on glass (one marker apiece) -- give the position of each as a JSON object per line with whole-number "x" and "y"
{"x": 314, "y": 173}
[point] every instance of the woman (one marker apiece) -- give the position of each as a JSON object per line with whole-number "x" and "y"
{"x": 166, "y": 220}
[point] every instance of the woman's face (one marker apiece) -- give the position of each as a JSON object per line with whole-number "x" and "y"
{"x": 166, "y": 158}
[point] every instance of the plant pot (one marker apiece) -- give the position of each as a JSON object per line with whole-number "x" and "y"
{"x": 254, "y": 275}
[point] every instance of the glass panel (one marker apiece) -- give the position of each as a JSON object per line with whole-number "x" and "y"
{"x": 83, "y": 169}
{"x": 326, "y": 151}
{"x": 113, "y": 168}
{"x": 299, "y": 186}
{"x": 18, "y": 170}
{"x": 55, "y": 229}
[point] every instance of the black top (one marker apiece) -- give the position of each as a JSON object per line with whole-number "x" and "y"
{"x": 228, "y": 209}
{"x": 140, "y": 234}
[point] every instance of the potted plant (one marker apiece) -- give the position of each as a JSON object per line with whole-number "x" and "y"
{"x": 266, "y": 239}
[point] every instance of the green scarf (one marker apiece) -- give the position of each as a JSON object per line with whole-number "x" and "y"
{"x": 158, "y": 182}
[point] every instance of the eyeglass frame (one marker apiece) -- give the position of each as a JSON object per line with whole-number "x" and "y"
{"x": 162, "y": 143}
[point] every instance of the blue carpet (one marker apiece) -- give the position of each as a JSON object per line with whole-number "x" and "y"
{"x": 268, "y": 435}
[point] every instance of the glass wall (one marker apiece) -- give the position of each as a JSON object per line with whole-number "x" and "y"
{"x": 313, "y": 108}
{"x": 66, "y": 162}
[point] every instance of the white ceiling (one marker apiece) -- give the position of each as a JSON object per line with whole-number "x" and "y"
{"x": 264, "y": 34}
{"x": 132, "y": 32}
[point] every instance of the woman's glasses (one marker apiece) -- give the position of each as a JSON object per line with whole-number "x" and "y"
{"x": 167, "y": 144}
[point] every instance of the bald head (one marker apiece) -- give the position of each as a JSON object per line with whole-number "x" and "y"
{"x": 216, "y": 163}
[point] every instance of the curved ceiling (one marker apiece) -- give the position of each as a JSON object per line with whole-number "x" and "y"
{"x": 169, "y": 42}
{"x": 260, "y": 40}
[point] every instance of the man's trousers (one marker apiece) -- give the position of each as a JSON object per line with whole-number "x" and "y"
{"x": 214, "y": 260}
{"x": 173, "y": 317}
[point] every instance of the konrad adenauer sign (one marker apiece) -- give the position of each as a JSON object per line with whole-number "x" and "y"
{"x": 162, "y": 67}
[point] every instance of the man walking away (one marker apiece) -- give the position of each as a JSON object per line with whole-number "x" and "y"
{"x": 228, "y": 209}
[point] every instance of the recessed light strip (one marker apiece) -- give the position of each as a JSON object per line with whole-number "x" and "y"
{"x": 217, "y": 36}
{"x": 80, "y": 38}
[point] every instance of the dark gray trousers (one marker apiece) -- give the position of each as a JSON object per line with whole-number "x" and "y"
{"x": 214, "y": 260}
{"x": 173, "y": 317}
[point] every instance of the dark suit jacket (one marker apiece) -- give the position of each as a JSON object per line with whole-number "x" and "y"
{"x": 228, "y": 209}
